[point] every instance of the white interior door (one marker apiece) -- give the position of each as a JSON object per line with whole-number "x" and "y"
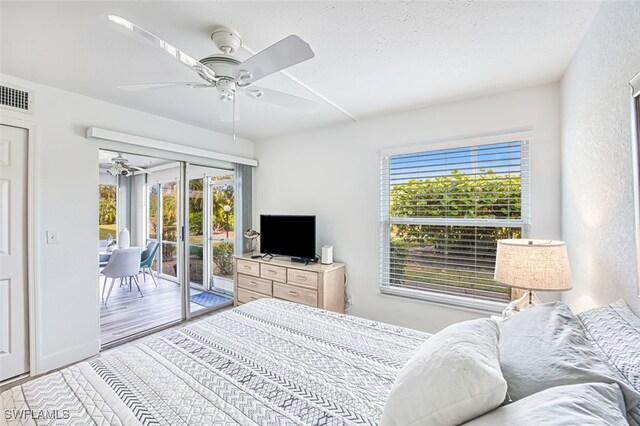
{"x": 13, "y": 252}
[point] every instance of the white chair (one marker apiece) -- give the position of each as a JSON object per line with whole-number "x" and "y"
{"x": 123, "y": 263}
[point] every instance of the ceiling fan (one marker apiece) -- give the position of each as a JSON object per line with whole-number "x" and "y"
{"x": 120, "y": 167}
{"x": 227, "y": 74}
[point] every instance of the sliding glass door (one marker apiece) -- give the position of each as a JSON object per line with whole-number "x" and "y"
{"x": 197, "y": 221}
{"x": 145, "y": 201}
{"x": 221, "y": 189}
{"x": 210, "y": 237}
{"x": 182, "y": 218}
{"x": 162, "y": 226}
{"x": 169, "y": 234}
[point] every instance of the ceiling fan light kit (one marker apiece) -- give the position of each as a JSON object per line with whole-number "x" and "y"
{"x": 227, "y": 74}
{"x": 226, "y": 89}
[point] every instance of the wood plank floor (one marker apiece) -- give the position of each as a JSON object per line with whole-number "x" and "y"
{"x": 6, "y": 386}
{"x": 129, "y": 313}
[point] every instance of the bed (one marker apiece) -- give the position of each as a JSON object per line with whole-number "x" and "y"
{"x": 269, "y": 362}
{"x": 273, "y": 362}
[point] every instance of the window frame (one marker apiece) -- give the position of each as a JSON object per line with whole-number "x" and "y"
{"x": 434, "y": 297}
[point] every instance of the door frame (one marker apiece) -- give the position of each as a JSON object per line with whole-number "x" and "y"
{"x": 18, "y": 120}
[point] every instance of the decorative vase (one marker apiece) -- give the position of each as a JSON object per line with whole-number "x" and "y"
{"x": 252, "y": 236}
{"x": 123, "y": 238}
{"x": 109, "y": 239}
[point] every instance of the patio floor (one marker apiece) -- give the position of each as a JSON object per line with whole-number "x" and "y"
{"x": 129, "y": 313}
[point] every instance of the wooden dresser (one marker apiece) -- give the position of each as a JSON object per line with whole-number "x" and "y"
{"x": 321, "y": 286}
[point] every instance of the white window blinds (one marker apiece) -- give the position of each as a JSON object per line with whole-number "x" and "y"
{"x": 442, "y": 212}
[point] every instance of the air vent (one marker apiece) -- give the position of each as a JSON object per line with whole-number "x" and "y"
{"x": 16, "y": 99}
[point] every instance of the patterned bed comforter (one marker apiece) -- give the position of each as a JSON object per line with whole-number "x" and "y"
{"x": 267, "y": 363}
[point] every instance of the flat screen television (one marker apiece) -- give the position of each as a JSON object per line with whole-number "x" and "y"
{"x": 293, "y": 236}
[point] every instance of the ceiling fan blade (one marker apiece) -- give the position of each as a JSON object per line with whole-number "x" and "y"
{"x": 284, "y": 100}
{"x": 149, "y": 86}
{"x": 285, "y": 53}
{"x": 204, "y": 72}
{"x": 140, "y": 169}
{"x": 228, "y": 111}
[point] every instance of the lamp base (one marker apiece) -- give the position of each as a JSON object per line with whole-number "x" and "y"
{"x": 526, "y": 301}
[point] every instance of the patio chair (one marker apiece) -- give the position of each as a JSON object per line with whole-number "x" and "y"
{"x": 146, "y": 259}
{"x": 123, "y": 263}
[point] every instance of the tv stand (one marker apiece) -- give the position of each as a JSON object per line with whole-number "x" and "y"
{"x": 313, "y": 284}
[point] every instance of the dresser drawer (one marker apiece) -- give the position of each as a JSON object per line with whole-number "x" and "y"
{"x": 303, "y": 278}
{"x": 248, "y": 267}
{"x": 254, "y": 284}
{"x": 272, "y": 272}
{"x": 295, "y": 294}
{"x": 246, "y": 296}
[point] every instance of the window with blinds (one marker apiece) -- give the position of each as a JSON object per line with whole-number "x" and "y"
{"x": 442, "y": 212}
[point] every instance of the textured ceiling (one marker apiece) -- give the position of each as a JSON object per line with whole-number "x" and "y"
{"x": 372, "y": 58}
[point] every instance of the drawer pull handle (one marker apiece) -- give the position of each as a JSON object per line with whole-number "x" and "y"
{"x": 252, "y": 283}
{"x": 293, "y": 293}
{"x": 246, "y": 267}
{"x": 272, "y": 272}
{"x": 302, "y": 277}
{"x": 252, "y": 298}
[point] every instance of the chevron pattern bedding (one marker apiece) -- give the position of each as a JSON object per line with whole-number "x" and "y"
{"x": 615, "y": 331}
{"x": 265, "y": 363}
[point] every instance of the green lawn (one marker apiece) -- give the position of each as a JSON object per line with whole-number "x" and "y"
{"x": 198, "y": 239}
{"x": 108, "y": 229}
{"x": 416, "y": 275}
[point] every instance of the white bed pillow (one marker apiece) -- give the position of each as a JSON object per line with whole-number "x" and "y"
{"x": 452, "y": 377}
{"x": 582, "y": 404}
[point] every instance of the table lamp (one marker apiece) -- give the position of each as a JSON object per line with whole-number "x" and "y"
{"x": 531, "y": 265}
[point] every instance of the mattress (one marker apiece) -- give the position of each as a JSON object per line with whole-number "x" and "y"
{"x": 268, "y": 362}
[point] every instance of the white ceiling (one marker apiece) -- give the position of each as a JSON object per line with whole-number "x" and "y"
{"x": 372, "y": 58}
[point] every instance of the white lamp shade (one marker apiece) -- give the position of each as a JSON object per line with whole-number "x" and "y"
{"x": 533, "y": 264}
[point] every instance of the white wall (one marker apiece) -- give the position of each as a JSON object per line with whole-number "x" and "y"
{"x": 335, "y": 174}
{"x": 597, "y": 186}
{"x": 66, "y": 179}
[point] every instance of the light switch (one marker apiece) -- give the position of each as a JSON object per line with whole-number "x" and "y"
{"x": 53, "y": 236}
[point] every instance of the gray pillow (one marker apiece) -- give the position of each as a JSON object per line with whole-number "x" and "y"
{"x": 546, "y": 346}
{"x": 582, "y": 404}
{"x": 615, "y": 330}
